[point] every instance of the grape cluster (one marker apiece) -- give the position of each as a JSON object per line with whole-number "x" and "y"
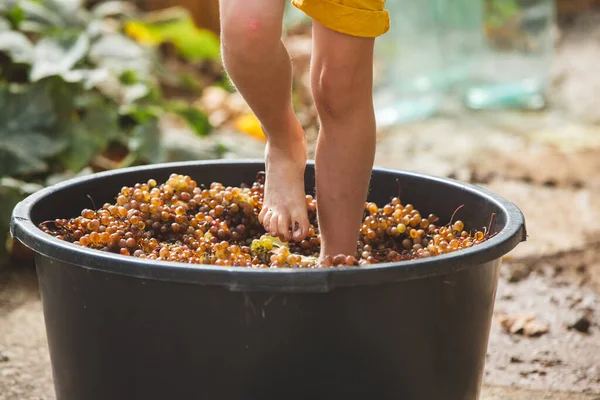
{"x": 217, "y": 225}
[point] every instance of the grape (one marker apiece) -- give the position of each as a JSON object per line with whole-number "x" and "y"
{"x": 181, "y": 221}
{"x": 458, "y": 226}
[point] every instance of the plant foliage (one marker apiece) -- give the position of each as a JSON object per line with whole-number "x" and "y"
{"x": 75, "y": 86}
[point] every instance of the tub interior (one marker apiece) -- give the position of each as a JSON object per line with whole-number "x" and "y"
{"x": 427, "y": 195}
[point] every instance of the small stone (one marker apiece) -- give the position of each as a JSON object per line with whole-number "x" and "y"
{"x": 582, "y": 324}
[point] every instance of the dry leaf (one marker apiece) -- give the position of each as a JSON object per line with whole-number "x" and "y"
{"x": 524, "y": 324}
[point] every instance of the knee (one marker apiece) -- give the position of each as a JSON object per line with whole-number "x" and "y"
{"x": 336, "y": 92}
{"x": 248, "y": 35}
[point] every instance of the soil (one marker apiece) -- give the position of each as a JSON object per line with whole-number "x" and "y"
{"x": 546, "y": 162}
{"x": 24, "y": 360}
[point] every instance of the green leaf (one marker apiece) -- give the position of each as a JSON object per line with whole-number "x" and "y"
{"x": 192, "y": 43}
{"x": 145, "y": 144}
{"x": 112, "y": 9}
{"x": 194, "y": 117}
{"x": 142, "y": 113}
{"x": 81, "y": 149}
{"x": 39, "y": 14}
{"x": 221, "y": 149}
{"x": 118, "y": 54}
{"x": 19, "y": 187}
{"x": 15, "y": 160}
{"x": 132, "y": 93}
{"x": 48, "y": 15}
{"x": 101, "y": 120}
{"x": 128, "y": 77}
{"x": 58, "y": 55}
{"x": 17, "y": 46}
{"x": 91, "y": 134}
{"x": 65, "y": 6}
{"x": 63, "y": 97}
{"x": 26, "y": 131}
{"x": 15, "y": 15}
{"x": 89, "y": 78}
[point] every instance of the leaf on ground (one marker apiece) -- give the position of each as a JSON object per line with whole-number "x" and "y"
{"x": 58, "y": 55}
{"x": 524, "y": 324}
{"x": 26, "y": 131}
{"x": 17, "y": 46}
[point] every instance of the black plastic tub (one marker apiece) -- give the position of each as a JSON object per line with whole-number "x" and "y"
{"x": 123, "y": 328}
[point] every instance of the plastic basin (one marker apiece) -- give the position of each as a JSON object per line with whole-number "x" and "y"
{"x": 123, "y": 328}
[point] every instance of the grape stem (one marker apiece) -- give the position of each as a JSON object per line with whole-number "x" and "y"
{"x": 489, "y": 228}
{"x": 92, "y": 200}
{"x": 56, "y": 224}
{"x": 454, "y": 213}
{"x": 61, "y": 226}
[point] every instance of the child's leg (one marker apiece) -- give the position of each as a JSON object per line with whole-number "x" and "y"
{"x": 342, "y": 80}
{"x": 260, "y": 68}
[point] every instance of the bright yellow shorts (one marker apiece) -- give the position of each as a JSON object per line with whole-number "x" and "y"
{"x": 365, "y": 18}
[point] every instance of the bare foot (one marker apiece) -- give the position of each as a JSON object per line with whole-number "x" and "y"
{"x": 284, "y": 213}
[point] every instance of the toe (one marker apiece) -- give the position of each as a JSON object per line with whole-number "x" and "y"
{"x": 300, "y": 232}
{"x": 284, "y": 227}
{"x": 261, "y": 215}
{"x": 273, "y": 225}
{"x": 267, "y": 220}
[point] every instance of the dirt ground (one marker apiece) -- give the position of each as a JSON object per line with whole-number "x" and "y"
{"x": 547, "y": 162}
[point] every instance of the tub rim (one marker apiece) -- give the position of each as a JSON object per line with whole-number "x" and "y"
{"x": 271, "y": 280}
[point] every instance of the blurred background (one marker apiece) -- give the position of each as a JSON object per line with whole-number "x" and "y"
{"x": 500, "y": 93}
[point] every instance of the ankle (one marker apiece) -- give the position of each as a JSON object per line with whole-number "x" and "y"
{"x": 288, "y": 136}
